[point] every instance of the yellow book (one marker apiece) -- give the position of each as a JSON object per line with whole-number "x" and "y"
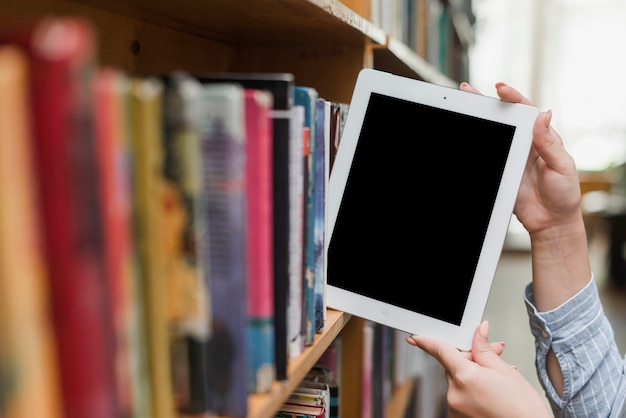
{"x": 28, "y": 367}
{"x": 146, "y": 102}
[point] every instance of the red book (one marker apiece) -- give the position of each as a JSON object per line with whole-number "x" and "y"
{"x": 110, "y": 91}
{"x": 61, "y": 53}
{"x": 262, "y": 370}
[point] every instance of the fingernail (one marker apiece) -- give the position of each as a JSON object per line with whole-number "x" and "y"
{"x": 502, "y": 344}
{"x": 548, "y": 117}
{"x": 500, "y": 84}
{"x": 411, "y": 341}
{"x": 484, "y": 329}
{"x": 464, "y": 84}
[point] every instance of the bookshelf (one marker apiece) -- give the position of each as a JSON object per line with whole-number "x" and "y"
{"x": 324, "y": 43}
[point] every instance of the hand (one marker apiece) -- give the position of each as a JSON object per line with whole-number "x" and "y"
{"x": 548, "y": 205}
{"x": 480, "y": 383}
{"x": 549, "y": 193}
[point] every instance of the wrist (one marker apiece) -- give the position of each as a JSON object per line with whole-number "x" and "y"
{"x": 560, "y": 239}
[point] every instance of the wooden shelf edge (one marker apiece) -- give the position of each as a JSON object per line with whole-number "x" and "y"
{"x": 344, "y": 14}
{"x": 266, "y": 404}
{"x": 425, "y": 70}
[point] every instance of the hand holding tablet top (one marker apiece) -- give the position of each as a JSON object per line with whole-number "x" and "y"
{"x": 420, "y": 198}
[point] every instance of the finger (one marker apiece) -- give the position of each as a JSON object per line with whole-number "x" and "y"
{"x": 509, "y": 94}
{"x": 448, "y": 356}
{"x": 467, "y": 87}
{"x": 482, "y": 351}
{"x": 550, "y": 147}
{"x": 497, "y": 347}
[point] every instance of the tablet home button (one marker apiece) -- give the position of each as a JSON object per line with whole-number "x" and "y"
{"x": 384, "y": 314}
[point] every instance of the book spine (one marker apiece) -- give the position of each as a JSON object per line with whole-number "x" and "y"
{"x": 187, "y": 293}
{"x": 223, "y": 153}
{"x": 138, "y": 345}
{"x": 295, "y": 333}
{"x": 146, "y": 106}
{"x": 281, "y": 211}
{"x": 28, "y": 364}
{"x": 63, "y": 63}
{"x": 322, "y": 133}
{"x": 262, "y": 370}
{"x": 307, "y": 97}
{"x": 112, "y": 150}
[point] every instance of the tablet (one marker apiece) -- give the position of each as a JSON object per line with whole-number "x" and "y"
{"x": 420, "y": 197}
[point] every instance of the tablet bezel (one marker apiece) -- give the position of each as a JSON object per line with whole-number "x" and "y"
{"x": 522, "y": 117}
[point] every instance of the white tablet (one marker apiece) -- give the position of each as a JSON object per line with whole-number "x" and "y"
{"x": 420, "y": 198}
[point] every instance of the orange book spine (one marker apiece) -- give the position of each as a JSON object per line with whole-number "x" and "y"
{"x": 27, "y": 349}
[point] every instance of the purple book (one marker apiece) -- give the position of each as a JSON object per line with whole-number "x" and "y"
{"x": 224, "y": 246}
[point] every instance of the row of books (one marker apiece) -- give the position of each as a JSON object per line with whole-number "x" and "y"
{"x": 389, "y": 368}
{"x": 436, "y": 30}
{"x": 317, "y": 396}
{"x": 161, "y": 236}
{"x": 390, "y": 363}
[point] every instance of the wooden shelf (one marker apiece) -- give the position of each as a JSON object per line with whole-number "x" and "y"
{"x": 395, "y": 57}
{"x": 265, "y": 405}
{"x": 323, "y": 43}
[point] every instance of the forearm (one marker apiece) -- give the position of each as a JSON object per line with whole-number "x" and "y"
{"x": 561, "y": 268}
{"x": 560, "y": 263}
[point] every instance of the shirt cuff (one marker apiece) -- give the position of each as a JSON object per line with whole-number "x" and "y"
{"x": 568, "y": 324}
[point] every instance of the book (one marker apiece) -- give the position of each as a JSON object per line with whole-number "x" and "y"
{"x": 261, "y": 364}
{"x": 327, "y": 369}
{"x": 28, "y": 363}
{"x": 434, "y": 16}
{"x": 338, "y": 114}
{"x": 295, "y": 313}
{"x": 381, "y": 388}
{"x": 419, "y": 43}
{"x": 125, "y": 167}
{"x": 148, "y": 202}
{"x": 306, "y": 397}
{"x": 224, "y": 199}
{"x": 304, "y": 411}
{"x": 307, "y": 97}
{"x": 62, "y": 56}
{"x": 320, "y": 163}
{"x": 187, "y": 288}
{"x": 367, "y": 369}
{"x": 110, "y": 90}
{"x": 281, "y": 85}
{"x": 312, "y": 391}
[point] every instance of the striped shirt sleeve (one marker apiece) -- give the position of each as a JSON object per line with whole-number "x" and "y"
{"x": 582, "y": 339}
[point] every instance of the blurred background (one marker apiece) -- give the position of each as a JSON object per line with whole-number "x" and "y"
{"x": 565, "y": 55}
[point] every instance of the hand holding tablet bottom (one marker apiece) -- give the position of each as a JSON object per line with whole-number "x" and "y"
{"x": 420, "y": 198}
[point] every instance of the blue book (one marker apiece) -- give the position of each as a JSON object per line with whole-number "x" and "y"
{"x": 307, "y": 97}
{"x": 320, "y": 177}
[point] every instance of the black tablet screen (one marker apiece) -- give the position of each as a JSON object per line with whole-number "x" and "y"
{"x": 416, "y": 206}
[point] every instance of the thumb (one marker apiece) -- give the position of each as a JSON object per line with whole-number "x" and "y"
{"x": 482, "y": 351}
